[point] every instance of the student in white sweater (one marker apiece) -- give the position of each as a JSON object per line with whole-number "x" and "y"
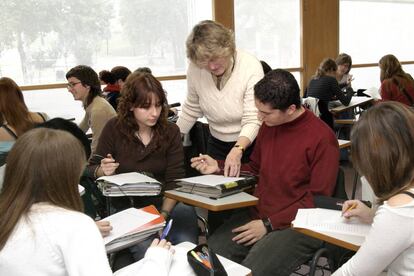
{"x": 42, "y": 229}
{"x": 220, "y": 82}
{"x": 382, "y": 151}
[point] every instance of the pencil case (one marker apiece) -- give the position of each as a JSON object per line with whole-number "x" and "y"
{"x": 205, "y": 263}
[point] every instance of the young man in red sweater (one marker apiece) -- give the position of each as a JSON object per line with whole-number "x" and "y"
{"x": 296, "y": 157}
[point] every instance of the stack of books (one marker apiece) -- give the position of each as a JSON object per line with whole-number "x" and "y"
{"x": 132, "y": 226}
{"x": 215, "y": 186}
{"x": 129, "y": 184}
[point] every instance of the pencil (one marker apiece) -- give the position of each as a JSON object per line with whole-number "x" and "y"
{"x": 349, "y": 208}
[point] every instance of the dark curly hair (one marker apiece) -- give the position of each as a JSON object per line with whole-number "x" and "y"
{"x": 278, "y": 88}
{"x": 136, "y": 92}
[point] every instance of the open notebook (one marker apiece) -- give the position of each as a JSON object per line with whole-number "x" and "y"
{"x": 331, "y": 221}
{"x": 131, "y": 226}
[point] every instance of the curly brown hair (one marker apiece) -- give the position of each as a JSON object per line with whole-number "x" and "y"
{"x": 136, "y": 92}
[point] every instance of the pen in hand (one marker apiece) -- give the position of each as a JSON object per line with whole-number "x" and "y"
{"x": 166, "y": 230}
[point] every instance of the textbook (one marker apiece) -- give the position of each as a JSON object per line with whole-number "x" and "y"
{"x": 131, "y": 226}
{"x": 129, "y": 184}
{"x": 331, "y": 222}
{"x": 215, "y": 186}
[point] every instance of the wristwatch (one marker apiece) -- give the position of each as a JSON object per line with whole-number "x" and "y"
{"x": 267, "y": 224}
{"x": 239, "y": 147}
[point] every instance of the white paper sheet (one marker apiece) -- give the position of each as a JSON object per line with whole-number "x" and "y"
{"x": 127, "y": 221}
{"x": 128, "y": 178}
{"x": 329, "y": 221}
{"x": 210, "y": 179}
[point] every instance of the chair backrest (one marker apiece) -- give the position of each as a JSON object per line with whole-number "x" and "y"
{"x": 339, "y": 195}
{"x": 311, "y": 103}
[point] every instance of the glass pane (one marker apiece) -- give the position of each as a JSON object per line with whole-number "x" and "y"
{"x": 372, "y": 29}
{"x": 269, "y": 30}
{"x": 41, "y": 40}
{"x": 370, "y": 76}
{"x": 60, "y": 103}
{"x": 55, "y": 103}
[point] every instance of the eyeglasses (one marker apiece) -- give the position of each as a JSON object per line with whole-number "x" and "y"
{"x": 72, "y": 84}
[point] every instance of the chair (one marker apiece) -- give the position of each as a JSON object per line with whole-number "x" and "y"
{"x": 312, "y": 104}
{"x": 329, "y": 203}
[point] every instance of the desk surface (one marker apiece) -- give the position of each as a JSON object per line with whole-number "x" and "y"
{"x": 355, "y": 101}
{"x": 346, "y": 241}
{"x": 180, "y": 266}
{"x": 226, "y": 203}
{"x": 344, "y": 143}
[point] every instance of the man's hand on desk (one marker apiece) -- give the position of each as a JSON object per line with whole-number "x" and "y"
{"x": 205, "y": 164}
{"x": 250, "y": 233}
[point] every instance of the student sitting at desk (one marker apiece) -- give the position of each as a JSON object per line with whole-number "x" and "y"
{"x": 382, "y": 151}
{"x": 344, "y": 63}
{"x": 140, "y": 139}
{"x": 15, "y": 116}
{"x": 396, "y": 85}
{"x": 324, "y": 87}
{"x": 296, "y": 157}
{"x": 42, "y": 229}
{"x": 84, "y": 85}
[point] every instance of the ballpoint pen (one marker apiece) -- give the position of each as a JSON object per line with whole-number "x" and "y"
{"x": 166, "y": 230}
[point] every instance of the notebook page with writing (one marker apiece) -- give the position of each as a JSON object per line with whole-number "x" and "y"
{"x": 329, "y": 221}
{"x": 210, "y": 179}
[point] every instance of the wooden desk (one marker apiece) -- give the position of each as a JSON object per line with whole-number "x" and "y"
{"x": 235, "y": 201}
{"x": 180, "y": 266}
{"x": 344, "y": 143}
{"x": 355, "y": 101}
{"x": 346, "y": 241}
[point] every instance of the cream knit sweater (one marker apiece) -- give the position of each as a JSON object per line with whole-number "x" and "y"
{"x": 230, "y": 111}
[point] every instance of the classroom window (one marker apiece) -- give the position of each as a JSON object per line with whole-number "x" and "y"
{"x": 41, "y": 40}
{"x": 270, "y": 30}
{"x": 370, "y": 29}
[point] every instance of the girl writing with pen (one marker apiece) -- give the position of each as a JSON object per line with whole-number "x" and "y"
{"x": 382, "y": 151}
{"x": 140, "y": 139}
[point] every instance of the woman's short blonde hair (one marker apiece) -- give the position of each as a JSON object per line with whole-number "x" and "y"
{"x": 209, "y": 40}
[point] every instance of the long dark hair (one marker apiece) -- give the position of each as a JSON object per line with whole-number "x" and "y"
{"x": 382, "y": 148}
{"x": 44, "y": 165}
{"x": 13, "y": 109}
{"x": 136, "y": 92}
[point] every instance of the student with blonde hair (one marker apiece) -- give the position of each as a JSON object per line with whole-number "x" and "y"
{"x": 382, "y": 151}
{"x": 15, "y": 116}
{"x": 396, "y": 85}
{"x": 42, "y": 229}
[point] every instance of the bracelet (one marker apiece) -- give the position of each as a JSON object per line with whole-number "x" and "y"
{"x": 96, "y": 171}
{"x": 239, "y": 147}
